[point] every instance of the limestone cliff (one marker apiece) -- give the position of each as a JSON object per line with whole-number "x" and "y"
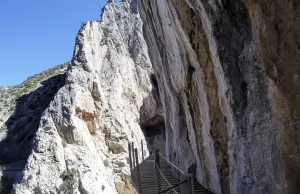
{"x": 3, "y": 90}
{"x": 221, "y": 100}
{"x": 80, "y": 142}
{"x": 228, "y": 79}
{"x": 23, "y": 104}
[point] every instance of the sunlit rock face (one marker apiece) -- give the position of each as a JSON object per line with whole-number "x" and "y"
{"x": 3, "y": 90}
{"x": 220, "y": 101}
{"x": 84, "y": 133}
{"x": 227, "y": 70}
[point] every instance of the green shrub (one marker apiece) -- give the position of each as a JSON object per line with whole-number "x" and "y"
{"x": 5, "y": 104}
{"x": 37, "y": 190}
{"x": 69, "y": 180}
{"x": 24, "y": 183}
{"x": 6, "y": 184}
{"x": 3, "y": 128}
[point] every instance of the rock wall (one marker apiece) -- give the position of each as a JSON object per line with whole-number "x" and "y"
{"x": 228, "y": 77}
{"x": 82, "y": 140}
{"x": 152, "y": 119}
{"x": 3, "y": 90}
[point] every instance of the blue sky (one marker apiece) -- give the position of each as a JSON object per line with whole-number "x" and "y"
{"x": 38, "y": 34}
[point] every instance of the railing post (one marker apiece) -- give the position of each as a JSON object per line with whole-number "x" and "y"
{"x": 142, "y": 150}
{"x": 151, "y": 152}
{"x": 157, "y": 161}
{"x": 188, "y": 186}
{"x": 133, "y": 155}
{"x": 157, "y": 182}
{"x": 130, "y": 158}
{"x": 157, "y": 167}
{"x": 138, "y": 171}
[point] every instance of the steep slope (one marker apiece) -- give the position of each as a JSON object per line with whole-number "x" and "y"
{"x": 3, "y": 90}
{"x": 222, "y": 102}
{"x": 227, "y": 74}
{"x": 15, "y": 97}
{"x": 82, "y": 138}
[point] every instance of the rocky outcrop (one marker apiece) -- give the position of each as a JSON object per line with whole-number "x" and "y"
{"x": 227, "y": 74}
{"x": 221, "y": 100}
{"x": 152, "y": 119}
{"x": 22, "y": 126}
{"x": 82, "y": 139}
{"x": 21, "y": 104}
{"x": 3, "y": 90}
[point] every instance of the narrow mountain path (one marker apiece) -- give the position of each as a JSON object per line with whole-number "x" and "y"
{"x": 150, "y": 175}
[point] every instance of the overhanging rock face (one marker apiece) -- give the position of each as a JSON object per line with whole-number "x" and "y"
{"x": 96, "y": 113}
{"x": 226, "y": 71}
{"x": 222, "y": 99}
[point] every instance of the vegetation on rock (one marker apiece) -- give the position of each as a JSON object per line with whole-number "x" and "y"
{"x": 9, "y": 95}
{"x": 6, "y": 184}
{"x": 69, "y": 181}
{"x": 37, "y": 190}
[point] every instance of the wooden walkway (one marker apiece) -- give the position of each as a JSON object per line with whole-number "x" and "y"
{"x": 148, "y": 177}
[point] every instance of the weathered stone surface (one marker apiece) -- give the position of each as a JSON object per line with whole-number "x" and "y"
{"x": 227, "y": 70}
{"x": 93, "y": 117}
{"x": 20, "y": 103}
{"x": 225, "y": 86}
{"x": 3, "y": 90}
{"x": 152, "y": 118}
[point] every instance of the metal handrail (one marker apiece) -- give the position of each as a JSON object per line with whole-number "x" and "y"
{"x": 162, "y": 183}
{"x": 168, "y": 189}
{"x": 171, "y": 163}
{"x": 9, "y": 162}
{"x": 170, "y": 186}
{"x": 15, "y": 170}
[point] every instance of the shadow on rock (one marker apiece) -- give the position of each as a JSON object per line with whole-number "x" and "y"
{"x": 24, "y": 123}
{"x": 152, "y": 119}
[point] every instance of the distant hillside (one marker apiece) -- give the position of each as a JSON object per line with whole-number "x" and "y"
{"x": 9, "y": 95}
{"x": 3, "y": 90}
